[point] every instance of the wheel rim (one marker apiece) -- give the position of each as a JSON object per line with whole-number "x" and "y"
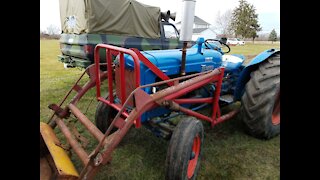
{"x": 276, "y": 110}
{"x": 192, "y": 164}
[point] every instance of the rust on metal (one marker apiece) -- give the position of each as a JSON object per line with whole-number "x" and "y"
{"x": 54, "y": 161}
{"x": 73, "y": 143}
{"x": 130, "y": 82}
{"x": 183, "y": 58}
{"x": 227, "y": 116}
{"x": 86, "y": 122}
{"x": 119, "y": 123}
{"x": 215, "y": 107}
{"x": 184, "y": 87}
{"x": 158, "y": 97}
{"x": 84, "y": 141}
{"x": 193, "y": 100}
{"x": 45, "y": 169}
{"x": 195, "y": 114}
{"x": 141, "y": 101}
{"x": 90, "y": 84}
{"x": 77, "y": 88}
{"x": 141, "y": 98}
{"x": 122, "y": 80}
{"x": 61, "y": 113}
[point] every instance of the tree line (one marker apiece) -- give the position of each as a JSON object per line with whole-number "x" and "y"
{"x": 52, "y": 32}
{"x": 242, "y": 22}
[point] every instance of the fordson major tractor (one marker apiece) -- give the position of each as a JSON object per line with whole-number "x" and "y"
{"x": 149, "y": 89}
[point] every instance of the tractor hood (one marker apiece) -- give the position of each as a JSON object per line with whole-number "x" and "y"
{"x": 232, "y": 62}
{"x": 169, "y": 62}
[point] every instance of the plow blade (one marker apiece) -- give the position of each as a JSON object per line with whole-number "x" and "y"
{"x": 54, "y": 161}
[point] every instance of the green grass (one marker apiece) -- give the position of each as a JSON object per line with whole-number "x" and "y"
{"x": 250, "y": 50}
{"x": 228, "y": 152}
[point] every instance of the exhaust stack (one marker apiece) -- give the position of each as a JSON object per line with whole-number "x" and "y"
{"x": 188, "y": 8}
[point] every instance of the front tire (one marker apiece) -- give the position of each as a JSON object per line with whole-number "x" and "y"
{"x": 184, "y": 151}
{"x": 104, "y": 116}
{"x": 260, "y": 107}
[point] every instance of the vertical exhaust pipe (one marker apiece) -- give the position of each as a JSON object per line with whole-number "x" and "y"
{"x": 188, "y": 8}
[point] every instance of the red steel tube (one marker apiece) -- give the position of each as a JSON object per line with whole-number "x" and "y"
{"x": 110, "y": 78}
{"x": 227, "y": 116}
{"x": 187, "y": 89}
{"x": 86, "y": 122}
{"x": 195, "y": 114}
{"x": 134, "y": 114}
{"x": 215, "y": 103}
{"x": 122, "y": 51}
{"x": 125, "y": 51}
{"x": 115, "y": 106}
{"x": 193, "y": 100}
{"x": 74, "y": 144}
{"x": 122, "y": 80}
{"x": 97, "y": 66}
{"x": 152, "y": 67}
{"x": 90, "y": 84}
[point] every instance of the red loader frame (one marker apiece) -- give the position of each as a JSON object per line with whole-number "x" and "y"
{"x": 143, "y": 102}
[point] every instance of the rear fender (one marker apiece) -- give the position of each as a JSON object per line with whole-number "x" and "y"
{"x": 245, "y": 74}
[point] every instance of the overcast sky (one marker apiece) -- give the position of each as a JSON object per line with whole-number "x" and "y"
{"x": 268, "y": 11}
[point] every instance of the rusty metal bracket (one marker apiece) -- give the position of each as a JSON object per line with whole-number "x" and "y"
{"x": 84, "y": 141}
{"x": 66, "y": 147}
{"x": 169, "y": 104}
{"x": 61, "y": 113}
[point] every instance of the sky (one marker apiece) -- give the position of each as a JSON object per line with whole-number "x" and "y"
{"x": 268, "y": 11}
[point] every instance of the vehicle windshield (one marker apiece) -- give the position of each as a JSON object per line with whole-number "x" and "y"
{"x": 170, "y": 32}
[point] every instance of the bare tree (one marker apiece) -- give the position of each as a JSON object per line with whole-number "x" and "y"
{"x": 263, "y": 37}
{"x": 53, "y": 30}
{"x": 223, "y": 22}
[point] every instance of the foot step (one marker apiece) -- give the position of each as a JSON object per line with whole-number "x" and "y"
{"x": 228, "y": 98}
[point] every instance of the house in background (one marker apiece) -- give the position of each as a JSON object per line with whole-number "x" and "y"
{"x": 206, "y": 33}
{"x": 200, "y": 29}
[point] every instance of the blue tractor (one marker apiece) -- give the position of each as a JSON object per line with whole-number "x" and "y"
{"x": 151, "y": 88}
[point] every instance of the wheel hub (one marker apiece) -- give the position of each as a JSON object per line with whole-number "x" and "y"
{"x": 276, "y": 110}
{"x": 194, "y": 156}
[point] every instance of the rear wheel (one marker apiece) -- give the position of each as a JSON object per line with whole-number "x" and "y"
{"x": 260, "y": 107}
{"x": 184, "y": 151}
{"x": 104, "y": 116}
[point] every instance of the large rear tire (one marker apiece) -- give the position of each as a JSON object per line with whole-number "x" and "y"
{"x": 184, "y": 151}
{"x": 260, "y": 107}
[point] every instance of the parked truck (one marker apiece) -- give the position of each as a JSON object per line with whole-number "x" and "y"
{"x": 88, "y": 23}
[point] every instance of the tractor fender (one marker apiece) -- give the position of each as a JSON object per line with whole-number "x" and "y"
{"x": 244, "y": 76}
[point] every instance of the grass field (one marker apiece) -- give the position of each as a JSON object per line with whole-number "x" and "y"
{"x": 228, "y": 152}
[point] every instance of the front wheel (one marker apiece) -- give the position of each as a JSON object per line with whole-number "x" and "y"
{"x": 184, "y": 151}
{"x": 104, "y": 116}
{"x": 260, "y": 107}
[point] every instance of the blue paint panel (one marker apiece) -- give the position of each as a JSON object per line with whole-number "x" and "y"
{"x": 198, "y": 59}
{"x": 169, "y": 61}
{"x": 245, "y": 74}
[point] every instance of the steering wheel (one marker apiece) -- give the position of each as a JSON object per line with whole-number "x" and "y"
{"x": 207, "y": 44}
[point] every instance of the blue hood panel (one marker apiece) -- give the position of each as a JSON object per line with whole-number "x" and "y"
{"x": 169, "y": 62}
